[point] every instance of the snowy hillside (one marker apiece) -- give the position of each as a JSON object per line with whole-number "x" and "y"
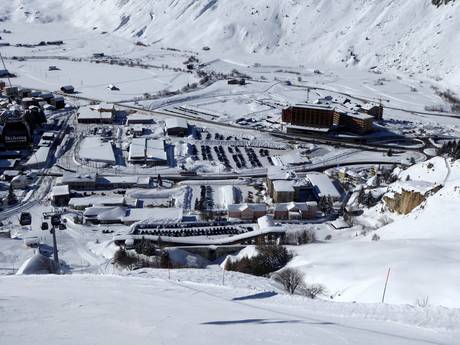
{"x": 421, "y": 249}
{"x": 406, "y": 36}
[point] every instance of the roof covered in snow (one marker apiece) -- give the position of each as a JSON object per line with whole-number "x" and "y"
{"x": 176, "y": 122}
{"x": 324, "y": 185}
{"x": 60, "y": 191}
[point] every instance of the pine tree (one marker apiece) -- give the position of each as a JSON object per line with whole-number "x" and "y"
{"x": 11, "y": 198}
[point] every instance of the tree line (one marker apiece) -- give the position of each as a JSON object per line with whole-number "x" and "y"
{"x": 451, "y": 149}
{"x": 438, "y": 3}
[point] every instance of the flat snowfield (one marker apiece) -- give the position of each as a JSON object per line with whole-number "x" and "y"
{"x": 88, "y": 309}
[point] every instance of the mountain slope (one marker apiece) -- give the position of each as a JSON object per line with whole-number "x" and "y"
{"x": 407, "y": 36}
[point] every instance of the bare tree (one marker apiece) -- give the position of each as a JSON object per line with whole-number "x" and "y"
{"x": 313, "y": 291}
{"x": 290, "y": 278}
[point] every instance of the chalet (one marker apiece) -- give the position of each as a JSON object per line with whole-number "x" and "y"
{"x": 293, "y": 210}
{"x": 58, "y": 102}
{"x": 250, "y": 212}
{"x": 347, "y": 175}
{"x": 68, "y": 89}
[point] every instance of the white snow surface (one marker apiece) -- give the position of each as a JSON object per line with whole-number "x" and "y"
{"x": 120, "y": 310}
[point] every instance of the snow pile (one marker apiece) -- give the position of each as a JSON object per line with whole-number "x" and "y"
{"x": 37, "y": 264}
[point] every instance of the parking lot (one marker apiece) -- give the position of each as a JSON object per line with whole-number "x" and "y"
{"x": 234, "y": 157}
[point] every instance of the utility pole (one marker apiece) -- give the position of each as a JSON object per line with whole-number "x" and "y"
{"x": 55, "y": 224}
{"x": 55, "y": 250}
{"x": 4, "y": 66}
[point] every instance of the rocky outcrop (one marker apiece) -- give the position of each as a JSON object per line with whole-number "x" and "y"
{"x": 405, "y": 201}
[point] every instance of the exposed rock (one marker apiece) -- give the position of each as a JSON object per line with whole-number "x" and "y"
{"x": 405, "y": 201}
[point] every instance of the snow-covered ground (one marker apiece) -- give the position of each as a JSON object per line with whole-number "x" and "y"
{"x": 92, "y": 80}
{"x": 399, "y": 53}
{"x": 421, "y": 249}
{"x": 118, "y": 310}
{"x": 410, "y": 37}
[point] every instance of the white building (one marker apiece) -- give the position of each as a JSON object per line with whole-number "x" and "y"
{"x": 137, "y": 118}
{"x": 87, "y": 115}
{"x": 38, "y": 159}
{"x": 176, "y": 126}
{"x": 324, "y": 186}
{"x": 147, "y": 151}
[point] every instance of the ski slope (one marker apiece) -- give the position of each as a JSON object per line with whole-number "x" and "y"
{"x": 89, "y": 309}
